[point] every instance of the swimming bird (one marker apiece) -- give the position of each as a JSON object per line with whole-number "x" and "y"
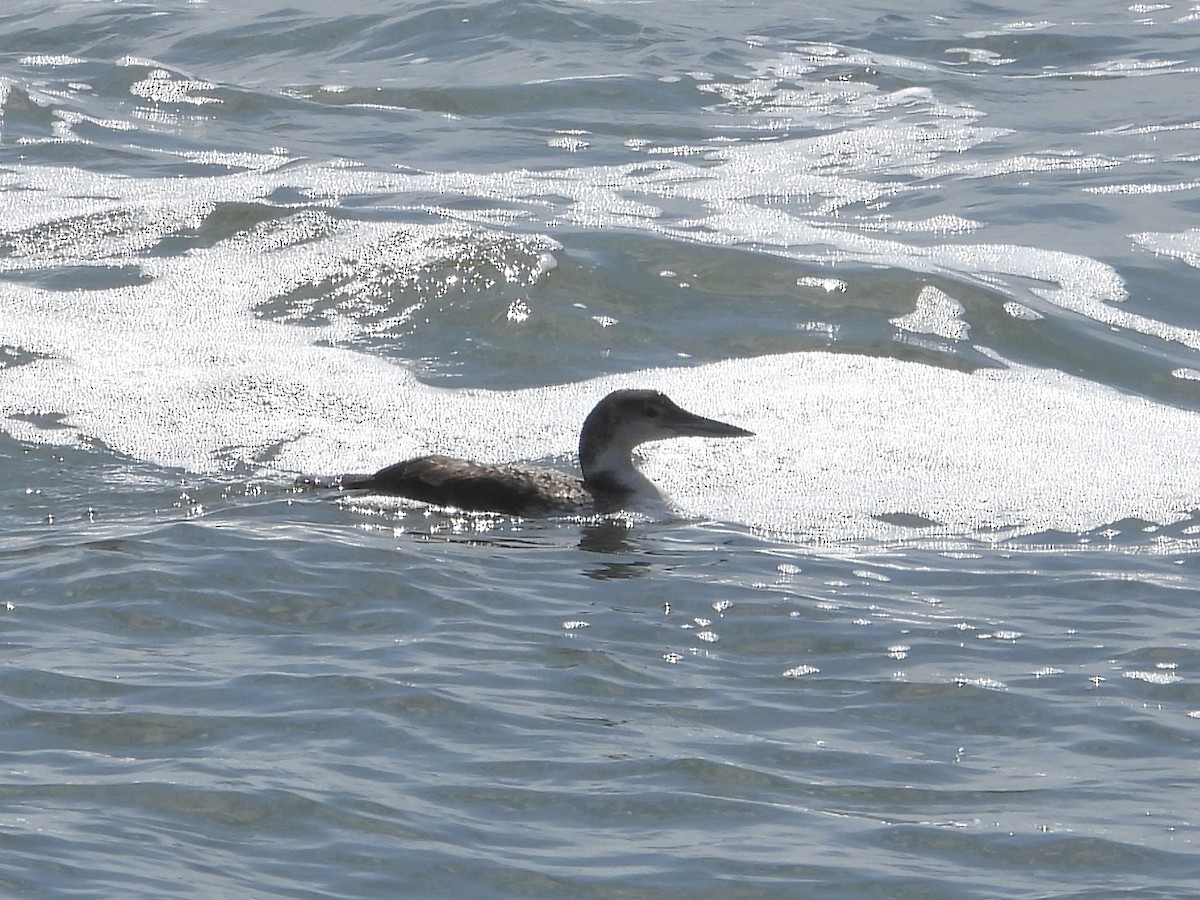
{"x": 621, "y": 421}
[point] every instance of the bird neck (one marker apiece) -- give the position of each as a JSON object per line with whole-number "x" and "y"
{"x": 610, "y": 468}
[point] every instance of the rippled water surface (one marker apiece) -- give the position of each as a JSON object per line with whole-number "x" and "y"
{"x": 931, "y": 633}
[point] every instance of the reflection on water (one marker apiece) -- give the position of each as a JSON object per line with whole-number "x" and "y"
{"x": 613, "y": 538}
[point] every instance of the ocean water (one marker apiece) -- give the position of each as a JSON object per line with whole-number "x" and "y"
{"x": 933, "y": 632}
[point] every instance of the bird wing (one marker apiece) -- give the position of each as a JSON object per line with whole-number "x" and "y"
{"x": 461, "y": 483}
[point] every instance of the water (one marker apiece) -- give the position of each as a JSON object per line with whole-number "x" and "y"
{"x": 931, "y": 633}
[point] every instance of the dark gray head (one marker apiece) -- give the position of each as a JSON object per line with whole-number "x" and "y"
{"x": 626, "y": 418}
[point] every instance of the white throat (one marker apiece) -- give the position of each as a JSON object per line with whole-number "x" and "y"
{"x": 612, "y": 469}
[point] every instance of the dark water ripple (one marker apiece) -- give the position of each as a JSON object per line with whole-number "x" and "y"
{"x": 356, "y": 704}
{"x": 214, "y": 686}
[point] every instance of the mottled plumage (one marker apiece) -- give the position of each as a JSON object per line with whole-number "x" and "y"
{"x": 619, "y": 422}
{"x": 461, "y": 483}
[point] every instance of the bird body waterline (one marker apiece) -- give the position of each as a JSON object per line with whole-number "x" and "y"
{"x": 618, "y": 423}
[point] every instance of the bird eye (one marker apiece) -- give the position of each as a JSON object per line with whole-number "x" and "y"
{"x": 653, "y": 412}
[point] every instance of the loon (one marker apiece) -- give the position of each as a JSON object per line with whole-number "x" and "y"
{"x": 621, "y": 421}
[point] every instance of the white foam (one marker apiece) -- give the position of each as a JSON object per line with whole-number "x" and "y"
{"x": 160, "y": 86}
{"x": 48, "y": 60}
{"x": 187, "y": 377}
{"x": 178, "y": 370}
{"x": 936, "y": 313}
{"x": 1184, "y": 245}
